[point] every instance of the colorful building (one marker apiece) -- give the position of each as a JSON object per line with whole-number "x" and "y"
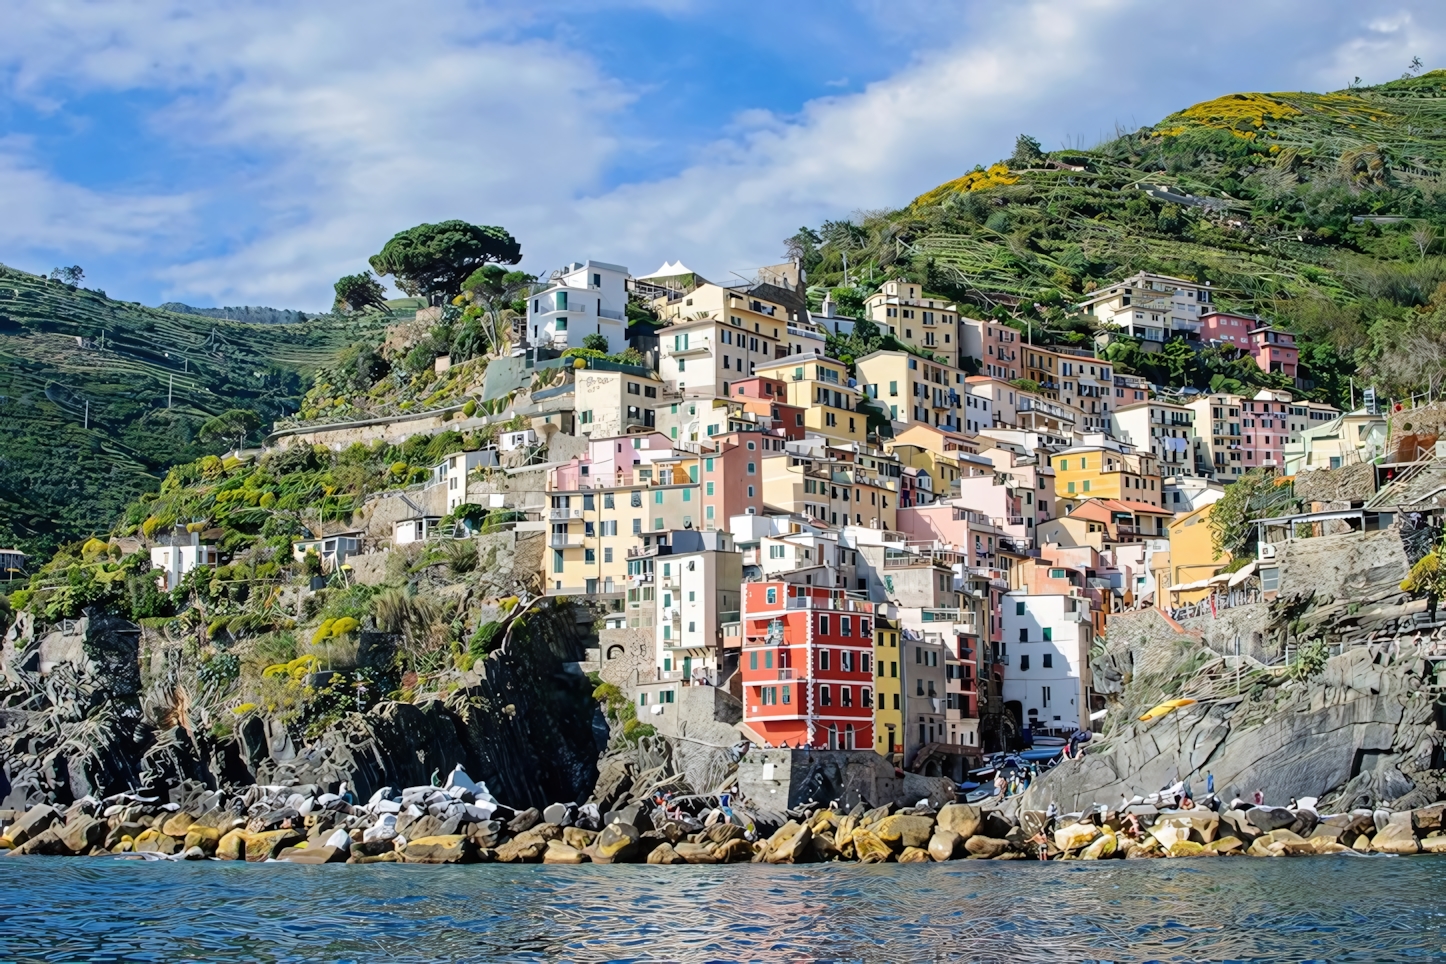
{"x": 807, "y": 666}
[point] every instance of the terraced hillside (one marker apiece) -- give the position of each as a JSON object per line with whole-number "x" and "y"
{"x": 98, "y": 398}
{"x": 1323, "y": 212}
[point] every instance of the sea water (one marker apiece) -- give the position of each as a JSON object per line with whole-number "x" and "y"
{"x": 1339, "y": 908}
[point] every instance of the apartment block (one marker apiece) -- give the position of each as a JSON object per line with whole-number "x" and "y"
{"x": 994, "y": 345}
{"x": 1047, "y": 684}
{"x": 820, "y": 387}
{"x": 927, "y": 322}
{"x": 1221, "y": 443}
{"x": 913, "y": 390}
{"x": 581, "y": 299}
{"x": 1100, "y": 467}
{"x": 807, "y": 666}
{"x": 1151, "y": 307}
{"x": 1167, "y": 428}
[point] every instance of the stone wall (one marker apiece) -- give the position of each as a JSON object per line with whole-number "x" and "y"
{"x": 625, "y": 654}
{"x": 783, "y": 779}
{"x": 1342, "y": 566}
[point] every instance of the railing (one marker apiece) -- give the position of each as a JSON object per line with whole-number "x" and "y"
{"x": 785, "y": 674}
{"x": 841, "y": 605}
{"x": 609, "y": 313}
{"x": 564, "y": 542}
{"x": 1223, "y": 600}
{"x": 561, "y": 514}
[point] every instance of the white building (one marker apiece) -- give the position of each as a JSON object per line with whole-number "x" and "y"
{"x": 415, "y": 529}
{"x": 1047, "y": 679}
{"x": 1167, "y": 428}
{"x": 173, "y": 562}
{"x": 333, "y": 549}
{"x": 1187, "y": 493}
{"x": 584, "y": 298}
{"x": 454, "y": 469}
{"x": 699, "y": 576}
{"x": 1151, "y": 307}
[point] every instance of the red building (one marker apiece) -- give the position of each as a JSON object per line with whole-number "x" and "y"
{"x": 807, "y": 666}
{"x": 767, "y": 398}
{"x": 1274, "y": 350}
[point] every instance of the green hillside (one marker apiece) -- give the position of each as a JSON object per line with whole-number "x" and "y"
{"x": 151, "y": 378}
{"x": 1324, "y": 212}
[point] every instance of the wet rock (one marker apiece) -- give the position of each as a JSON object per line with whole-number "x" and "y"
{"x": 1266, "y": 819}
{"x": 45, "y": 843}
{"x": 1102, "y": 847}
{"x": 1200, "y": 826}
{"x": 525, "y": 820}
{"x": 616, "y": 843}
{"x": 695, "y": 853}
{"x": 734, "y": 851}
{"x": 232, "y": 845}
{"x": 900, "y": 831}
{"x": 1227, "y": 845}
{"x": 578, "y": 838}
{"x": 1397, "y": 837}
{"x": 558, "y": 852}
{"x": 452, "y": 849}
{"x": 177, "y": 825}
{"x": 790, "y": 844}
{"x": 268, "y": 843}
{"x": 32, "y": 823}
{"x": 914, "y": 855}
{"x": 82, "y": 834}
{"x": 521, "y": 851}
{"x": 1076, "y": 836}
{"x": 308, "y": 855}
{"x": 665, "y": 854}
{"x": 561, "y": 814}
{"x": 1186, "y": 848}
{"x": 984, "y": 847}
{"x": 944, "y": 845}
{"x": 869, "y": 848}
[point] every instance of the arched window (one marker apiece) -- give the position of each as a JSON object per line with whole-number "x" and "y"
{"x": 848, "y": 736}
{"x": 832, "y": 737}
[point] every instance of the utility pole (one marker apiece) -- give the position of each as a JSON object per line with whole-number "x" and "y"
{"x": 87, "y": 415}
{"x": 169, "y": 390}
{"x": 1353, "y": 393}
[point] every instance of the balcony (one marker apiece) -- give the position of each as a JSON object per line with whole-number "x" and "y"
{"x": 558, "y": 541}
{"x": 560, "y": 515}
{"x": 698, "y": 346}
{"x": 785, "y": 674}
{"x": 841, "y": 605}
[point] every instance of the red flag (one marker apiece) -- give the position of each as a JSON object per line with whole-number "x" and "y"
{"x": 1212, "y": 605}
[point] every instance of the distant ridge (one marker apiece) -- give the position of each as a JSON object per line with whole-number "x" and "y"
{"x": 249, "y": 315}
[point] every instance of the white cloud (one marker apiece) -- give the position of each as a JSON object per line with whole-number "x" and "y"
{"x": 354, "y": 120}
{"x": 44, "y": 214}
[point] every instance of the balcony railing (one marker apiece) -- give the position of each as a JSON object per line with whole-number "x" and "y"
{"x": 561, "y": 514}
{"x": 835, "y": 603}
{"x": 565, "y": 542}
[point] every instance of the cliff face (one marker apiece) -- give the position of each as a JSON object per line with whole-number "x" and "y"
{"x": 1336, "y": 693}
{"x": 74, "y": 721}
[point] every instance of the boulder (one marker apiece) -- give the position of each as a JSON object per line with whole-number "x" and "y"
{"x": 152, "y": 841}
{"x": 268, "y": 843}
{"x": 561, "y": 814}
{"x": 1187, "y": 848}
{"x": 309, "y": 855}
{"x": 1397, "y": 837}
{"x": 558, "y": 852}
{"x": 984, "y": 847}
{"x": 870, "y": 817}
{"x": 721, "y": 833}
{"x": 665, "y": 854}
{"x": 1239, "y": 825}
{"x": 390, "y": 857}
{"x": 617, "y": 843}
{"x": 1103, "y": 846}
{"x": 232, "y": 845}
{"x": 824, "y": 847}
{"x": 1434, "y": 843}
{"x": 869, "y": 848}
{"x": 1266, "y": 819}
{"x": 578, "y": 838}
{"x": 1076, "y": 836}
{"x": 521, "y": 851}
{"x": 944, "y": 845}
{"x": 735, "y": 851}
{"x": 994, "y": 823}
{"x": 82, "y": 834}
{"x": 451, "y": 849}
{"x": 1304, "y": 823}
{"x": 634, "y": 815}
{"x": 32, "y": 823}
{"x": 1227, "y": 845}
{"x": 178, "y": 824}
{"x": 525, "y": 820}
{"x": 47, "y": 843}
{"x": 914, "y": 855}
{"x": 1427, "y": 819}
{"x": 372, "y": 848}
{"x": 542, "y": 833}
{"x": 694, "y": 853}
{"x": 486, "y": 834}
{"x": 1198, "y": 825}
{"x": 900, "y": 831}
{"x": 790, "y": 844}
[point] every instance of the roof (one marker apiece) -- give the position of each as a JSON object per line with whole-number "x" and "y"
{"x": 1101, "y": 509}
{"x": 800, "y": 356}
{"x": 670, "y": 269}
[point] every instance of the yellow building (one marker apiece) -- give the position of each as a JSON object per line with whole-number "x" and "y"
{"x": 888, "y": 688}
{"x": 946, "y": 456}
{"x": 1191, "y": 561}
{"x": 914, "y": 390}
{"x": 832, "y": 491}
{"x": 820, "y": 386}
{"x": 928, "y": 322}
{"x": 1106, "y": 471}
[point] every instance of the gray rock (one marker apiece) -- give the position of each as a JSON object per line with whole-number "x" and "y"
{"x": 525, "y": 820}
{"x": 1266, "y": 819}
{"x": 562, "y": 814}
{"x": 32, "y": 823}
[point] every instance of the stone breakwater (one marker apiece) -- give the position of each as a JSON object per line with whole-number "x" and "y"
{"x": 462, "y": 823}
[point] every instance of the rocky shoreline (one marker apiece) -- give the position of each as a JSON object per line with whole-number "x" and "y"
{"x": 460, "y": 822}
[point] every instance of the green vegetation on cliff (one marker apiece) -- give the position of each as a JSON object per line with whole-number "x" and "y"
{"x": 1324, "y": 213}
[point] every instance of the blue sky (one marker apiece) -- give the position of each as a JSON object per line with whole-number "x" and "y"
{"x": 250, "y": 151}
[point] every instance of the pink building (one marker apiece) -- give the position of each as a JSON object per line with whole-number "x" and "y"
{"x": 612, "y": 462}
{"x": 1264, "y": 429}
{"x": 1274, "y": 350}
{"x": 1228, "y": 329}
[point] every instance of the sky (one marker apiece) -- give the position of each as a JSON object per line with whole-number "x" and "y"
{"x": 250, "y": 152}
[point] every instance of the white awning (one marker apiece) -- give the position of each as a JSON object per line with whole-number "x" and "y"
{"x": 1236, "y": 578}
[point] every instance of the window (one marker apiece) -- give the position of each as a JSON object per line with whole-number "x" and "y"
{"x": 1048, "y": 661}
{"x": 1044, "y": 693}
{"x": 1023, "y": 635}
{"x": 608, "y": 552}
{"x": 1019, "y": 609}
{"x": 866, "y": 697}
{"x": 637, "y": 527}
{"x": 846, "y": 695}
{"x": 823, "y": 659}
{"x": 658, "y": 498}
{"x": 845, "y": 626}
{"x": 825, "y": 698}
{"x": 772, "y": 595}
{"x": 557, "y": 560}
{"x": 919, "y": 687}
{"x": 1048, "y": 635}
{"x": 823, "y": 625}
{"x": 787, "y": 695}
